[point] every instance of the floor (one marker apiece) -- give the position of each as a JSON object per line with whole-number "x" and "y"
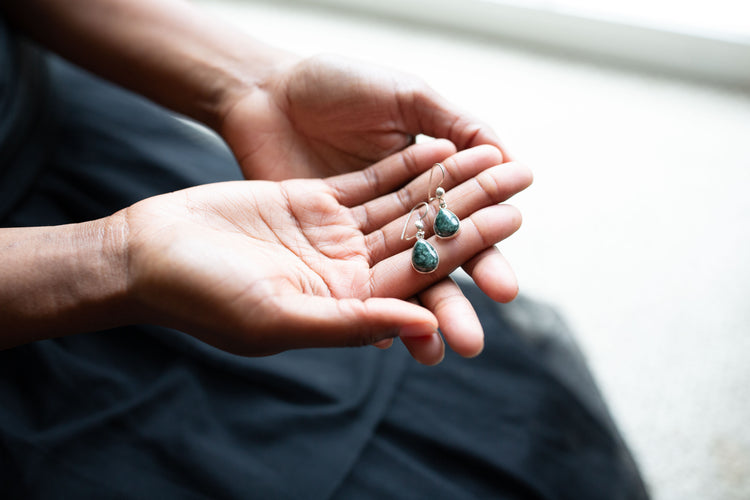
{"x": 637, "y": 227}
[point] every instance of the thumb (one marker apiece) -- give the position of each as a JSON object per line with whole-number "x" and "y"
{"x": 435, "y": 116}
{"x": 310, "y": 321}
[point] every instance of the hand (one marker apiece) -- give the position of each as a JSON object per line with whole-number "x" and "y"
{"x": 326, "y": 116}
{"x": 260, "y": 267}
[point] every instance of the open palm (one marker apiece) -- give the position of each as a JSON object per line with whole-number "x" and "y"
{"x": 327, "y": 115}
{"x": 260, "y": 267}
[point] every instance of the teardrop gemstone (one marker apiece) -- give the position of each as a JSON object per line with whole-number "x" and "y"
{"x": 446, "y": 223}
{"x": 424, "y": 257}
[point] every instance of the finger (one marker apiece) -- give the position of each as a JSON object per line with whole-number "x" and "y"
{"x": 384, "y": 344}
{"x": 430, "y": 114}
{"x": 489, "y": 187}
{"x": 312, "y": 321}
{"x": 493, "y": 274}
{"x": 428, "y": 350}
{"x": 387, "y": 175}
{"x": 377, "y": 212}
{"x": 395, "y": 277}
{"x": 458, "y": 321}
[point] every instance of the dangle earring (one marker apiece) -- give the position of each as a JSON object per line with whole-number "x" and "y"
{"x": 424, "y": 257}
{"x": 446, "y": 223}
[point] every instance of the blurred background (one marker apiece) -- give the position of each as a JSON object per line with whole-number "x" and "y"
{"x": 635, "y": 117}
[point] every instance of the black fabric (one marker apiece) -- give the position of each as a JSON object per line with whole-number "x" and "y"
{"x": 502, "y": 425}
{"x": 23, "y": 123}
{"x": 146, "y": 412}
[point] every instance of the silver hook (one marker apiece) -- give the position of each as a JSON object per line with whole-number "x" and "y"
{"x": 429, "y": 182}
{"x": 419, "y": 223}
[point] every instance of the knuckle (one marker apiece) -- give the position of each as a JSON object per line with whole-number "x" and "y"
{"x": 491, "y": 153}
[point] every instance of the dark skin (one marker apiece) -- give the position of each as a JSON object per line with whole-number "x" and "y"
{"x": 284, "y": 118}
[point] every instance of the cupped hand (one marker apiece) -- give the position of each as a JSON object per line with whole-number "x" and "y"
{"x": 327, "y": 115}
{"x": 258, "y": 267}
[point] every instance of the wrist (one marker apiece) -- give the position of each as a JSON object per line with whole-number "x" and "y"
{"x": 62, "y": 280}
{"x": 112, "y": 297}
{"x": 250, "y": 76}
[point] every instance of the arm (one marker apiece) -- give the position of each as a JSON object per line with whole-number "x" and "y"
{"x": 322, "y": 116}
{"x": 166, "y": 50}
{"x": 60, "y": 280}
{"x": 260, "y": 267}
{"x": 282, "y": 118}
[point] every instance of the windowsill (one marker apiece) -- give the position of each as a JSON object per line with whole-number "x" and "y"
{"x": 671, "y": 49}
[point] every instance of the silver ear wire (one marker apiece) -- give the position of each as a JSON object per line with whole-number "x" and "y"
{"x": 419, "y": 222}
{"x": 430, "y": 197}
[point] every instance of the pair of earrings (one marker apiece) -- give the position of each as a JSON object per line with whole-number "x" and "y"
{"x": 424, "y": 257}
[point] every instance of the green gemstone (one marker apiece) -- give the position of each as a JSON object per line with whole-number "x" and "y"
{"x": 446, "y": 223}
{"x": 424, "y": 257}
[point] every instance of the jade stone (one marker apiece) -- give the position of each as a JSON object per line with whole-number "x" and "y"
{"x": 424, "y": 257}
{"x": 446, "y": 223}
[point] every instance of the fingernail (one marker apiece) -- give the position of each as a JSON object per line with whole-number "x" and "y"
{"x": 383, "y": 344}
{"x": 418, "y": 330}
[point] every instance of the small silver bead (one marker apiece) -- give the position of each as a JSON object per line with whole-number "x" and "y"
{"x": 419, "y": 224}
{"x": 440, "y": 192}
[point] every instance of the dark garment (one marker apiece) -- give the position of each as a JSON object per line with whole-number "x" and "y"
{"x": 147, "y": 412}
{"x": 23, "y": 122}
